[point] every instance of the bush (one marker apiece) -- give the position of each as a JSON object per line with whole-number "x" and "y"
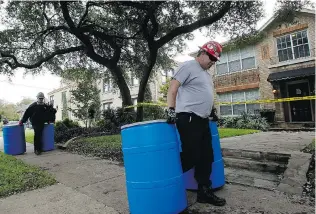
{"x": 269, "y": 114}
{"x": 111, "y": 123}
{"x": 154, "y": 113}
{"x": 65, "y": 125}
{"x": 245, "y": 121}
{"x": 114, "y": 119}
{"x": 64, "y": 130}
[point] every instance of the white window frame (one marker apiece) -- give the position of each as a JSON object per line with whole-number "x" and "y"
{"x": 109, "y": 85}
{"x": 231, "y": 100}
{"x": 292, "y": 47}
{"x": 240, "y": 61}
{"x": 108, "y": 104}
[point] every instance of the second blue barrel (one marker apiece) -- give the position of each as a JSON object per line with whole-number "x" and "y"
{"x": 218, "y": 175}
{"x": 14, "y": 139}
{"x": 154, "y": 178}
{"x": 48, "y": 138}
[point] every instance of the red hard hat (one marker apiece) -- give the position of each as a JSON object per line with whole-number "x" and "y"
{"x": 213, "y": 48}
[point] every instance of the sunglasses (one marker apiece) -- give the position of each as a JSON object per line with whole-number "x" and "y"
{"x": 212, "y": 58}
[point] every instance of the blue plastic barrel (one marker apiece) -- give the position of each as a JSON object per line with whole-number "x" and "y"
{"x": 218, "y": 174}
{"x": 14, "y": 139}
{"x": 154, "y": 178}
{"x": 48, "y": 138}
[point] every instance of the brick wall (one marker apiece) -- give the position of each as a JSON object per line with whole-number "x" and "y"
{"x": 263, "y": 54}
{"x": 266, "y": 53}
{"x": 291, "y": 29}
{"x": 237, "y": 81}
{"x": 213, "y": 74}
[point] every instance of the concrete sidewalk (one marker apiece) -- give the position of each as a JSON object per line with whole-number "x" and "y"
{"x": 93, "y": 185}
{"x": 76, "y": 175}
{"x": 280, "y": 142}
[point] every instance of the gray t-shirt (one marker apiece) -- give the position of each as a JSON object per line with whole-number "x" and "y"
{"x": 195, "y": 94}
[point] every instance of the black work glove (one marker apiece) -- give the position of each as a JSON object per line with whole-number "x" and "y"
{"x": 171, "y": 116}
{"x": 213, "y": 115}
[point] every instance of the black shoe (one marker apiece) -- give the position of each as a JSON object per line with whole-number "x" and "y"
{"x": 206, "y": 195}
{"x": 38, "y": 152}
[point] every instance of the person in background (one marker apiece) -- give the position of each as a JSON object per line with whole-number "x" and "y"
{"x": 190, "y": 100}
{"x": 39, "y": 113}
{"x": 51, "y": 116}
{"x": 5, "y": 121}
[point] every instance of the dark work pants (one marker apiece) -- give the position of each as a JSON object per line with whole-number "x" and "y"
{"x": 197, "y": 150}
{"x": 38, "y": 133}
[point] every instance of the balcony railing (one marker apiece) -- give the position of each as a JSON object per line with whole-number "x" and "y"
{"x": 275, "y": 60}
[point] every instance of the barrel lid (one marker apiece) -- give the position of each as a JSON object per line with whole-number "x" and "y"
{"x": 143, "y": 123}
{"x": 10, "y": 125}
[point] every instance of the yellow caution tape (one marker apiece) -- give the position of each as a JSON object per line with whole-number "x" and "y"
{"x": 289, "y": 99}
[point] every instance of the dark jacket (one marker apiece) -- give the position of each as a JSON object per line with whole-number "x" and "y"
{"x": 38, "y": 114}
{"x": 51, "y": 115}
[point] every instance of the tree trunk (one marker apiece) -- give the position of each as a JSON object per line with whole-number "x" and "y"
{"x": 117, "y": 73}
{"x": 124, "y": 90}
{"x": 143, "y": 83}
{"x": 140, "y": 99}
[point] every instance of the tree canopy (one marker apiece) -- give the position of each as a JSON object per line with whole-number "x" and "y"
{"x": 125, "y": 36}
{"x": 85, "y": 96}
{"x": 8, "y": 110}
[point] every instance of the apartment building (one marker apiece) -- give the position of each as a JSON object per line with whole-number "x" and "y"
{"x": 61, "y": 98}
{"x": 109, "y": 95}
{"x": 280, "y": 65}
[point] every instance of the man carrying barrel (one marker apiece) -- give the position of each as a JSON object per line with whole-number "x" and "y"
{"x": 38, "y": 113}
{"x": 190, "y": 100}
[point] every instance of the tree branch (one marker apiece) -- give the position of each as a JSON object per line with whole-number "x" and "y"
{"x": 78, "y": 32}
{"x": 140, "y": 6}
{"x": 66, "y": 15}
{"x": 195, "y": 25}
{"x": 40, "y": 62}
{"x": 85, "y": 14}
{"x": 104, "y": 37}
{"x": 45, "y": 15}
{"x": 86, "y": 29}
{"x": 144, "y": 27}
{"x": 155, "y": 25}
{"x": 49, "y": 30}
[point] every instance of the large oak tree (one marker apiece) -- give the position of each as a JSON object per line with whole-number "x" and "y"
{"x": 127, "y": 36}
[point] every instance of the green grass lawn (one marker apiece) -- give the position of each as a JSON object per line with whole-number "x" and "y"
{"x": 226, "y": 132}
{"x": 29, "y": 135}
{"x": 112, "y": 141}
{"x": 310, "y": 148}
{"x": 16, "y": 176}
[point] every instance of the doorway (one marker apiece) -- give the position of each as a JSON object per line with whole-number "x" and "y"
{"x": 300, "y": 111}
